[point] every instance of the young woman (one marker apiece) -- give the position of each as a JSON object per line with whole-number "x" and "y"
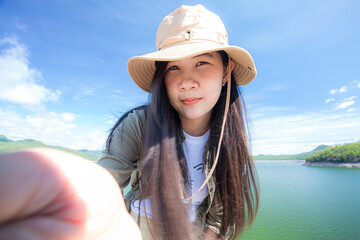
{"x": 185, "y": 156}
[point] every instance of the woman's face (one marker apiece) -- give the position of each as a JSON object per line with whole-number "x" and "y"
{"x": 194, "y": 85}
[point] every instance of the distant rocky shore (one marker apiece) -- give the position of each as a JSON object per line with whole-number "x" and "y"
{"x": 330, "y": 164}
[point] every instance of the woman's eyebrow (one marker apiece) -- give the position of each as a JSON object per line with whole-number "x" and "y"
{"x": 205, "y": 54}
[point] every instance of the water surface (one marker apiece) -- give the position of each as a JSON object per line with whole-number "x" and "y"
{"x": 299, "y": 202}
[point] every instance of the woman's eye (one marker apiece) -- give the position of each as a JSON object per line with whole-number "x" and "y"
{"x": 173, "y": 68}
{"x": 201, "y": 63}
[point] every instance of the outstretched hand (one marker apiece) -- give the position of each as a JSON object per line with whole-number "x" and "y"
{"x": 50, "y": 194}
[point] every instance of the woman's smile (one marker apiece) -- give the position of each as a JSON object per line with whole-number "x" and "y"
{"x": 190, "y": 100}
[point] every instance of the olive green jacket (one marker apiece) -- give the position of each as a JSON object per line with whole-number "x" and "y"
{"x": 123, "y": 159}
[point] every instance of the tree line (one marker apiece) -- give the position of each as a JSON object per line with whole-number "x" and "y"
{"x": 348, "y": 152}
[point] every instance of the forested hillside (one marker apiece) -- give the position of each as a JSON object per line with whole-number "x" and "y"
{"x": 8, "y": 145}
{"x": 348, "y": 152}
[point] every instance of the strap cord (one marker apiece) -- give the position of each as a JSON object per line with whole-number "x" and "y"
{"x": 220, "y": 139}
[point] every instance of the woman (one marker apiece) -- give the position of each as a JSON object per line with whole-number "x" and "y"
{"x": 186, "y": 155}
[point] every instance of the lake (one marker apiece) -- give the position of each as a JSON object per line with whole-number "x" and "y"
{"x": 299, "y": 202}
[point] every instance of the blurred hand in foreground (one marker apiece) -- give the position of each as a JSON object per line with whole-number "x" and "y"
{"x": 50, "y": 194}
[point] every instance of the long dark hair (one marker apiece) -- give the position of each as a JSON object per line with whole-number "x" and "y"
{"x": 164, "y": 178}
{"x": 236, "y": 177}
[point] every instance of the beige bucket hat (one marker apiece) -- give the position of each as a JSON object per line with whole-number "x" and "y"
{"x": 190, "y": 31}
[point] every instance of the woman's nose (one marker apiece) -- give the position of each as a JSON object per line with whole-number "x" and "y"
{"x": 188, "y": 82}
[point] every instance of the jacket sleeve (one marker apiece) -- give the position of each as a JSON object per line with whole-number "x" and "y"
{"x": 125, "y": 149}
{"x": 213, "y": 219}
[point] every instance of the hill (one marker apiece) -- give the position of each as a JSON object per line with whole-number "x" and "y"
{"x": 4, "y": 139}
{"x": 8, "y": 145}
{"x": 300, "y": 156}
{"x": 344, "y": 153}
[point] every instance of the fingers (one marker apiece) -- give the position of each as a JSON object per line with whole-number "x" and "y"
{"x": 77, "y": 191}
{"x": 28, "y": 183}
{"x": 37, "y": 199}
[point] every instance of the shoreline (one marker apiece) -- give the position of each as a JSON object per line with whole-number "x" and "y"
{"x": 301, "y": 161}
{"x": 329, "y": 164}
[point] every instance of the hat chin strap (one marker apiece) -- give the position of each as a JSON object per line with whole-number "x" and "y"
{"x": 220, "y": 139}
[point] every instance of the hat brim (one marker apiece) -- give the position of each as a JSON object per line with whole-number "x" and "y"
{"x": 142, "y": 68}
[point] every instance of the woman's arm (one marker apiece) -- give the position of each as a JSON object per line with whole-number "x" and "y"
{"x": 122, "y": 154}
{"x": 50, "y": 194}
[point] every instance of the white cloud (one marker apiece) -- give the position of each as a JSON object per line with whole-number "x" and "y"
{"x": 340, "y": 90}
{"x": 68, "y": 117}
{"x": 330, "y": 100}
{"x": 345, "y": 104}
{"x": 18, "y": 24}
{"x": 48, "y": 124}
{"x": 85, "y": 91}
{"x": 343, "y": 89}
{"x": 20, "y": 83}
{"x": 355, "y": 84}
{"x": 110, "y": 122}
{"x": 52, "y": 128}
{"x": 350, "y": 98}
{"x": 291, "y": 134}
{"x": 41, "y": 126}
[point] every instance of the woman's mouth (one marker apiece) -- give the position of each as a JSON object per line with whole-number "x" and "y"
{"x": 190, "y": 101}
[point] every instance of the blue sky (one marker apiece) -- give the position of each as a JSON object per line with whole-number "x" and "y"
{"x": 63, "y": 76}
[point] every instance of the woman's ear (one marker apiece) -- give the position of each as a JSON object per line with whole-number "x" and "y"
{"x": 227, "y": 71}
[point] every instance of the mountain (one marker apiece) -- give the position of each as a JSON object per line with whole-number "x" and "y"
{"x": 4, "y": 139}
{"x": 300, "y": 156}
{"x": 8, "y": 145}
{"x": 344, "y": 153}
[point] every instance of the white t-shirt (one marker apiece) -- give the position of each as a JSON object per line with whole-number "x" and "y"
{"x": 193, "y": 148}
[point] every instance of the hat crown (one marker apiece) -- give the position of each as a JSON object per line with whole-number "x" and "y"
{"x": 189, "y": 24}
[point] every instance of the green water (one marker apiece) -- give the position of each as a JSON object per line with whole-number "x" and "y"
{"x": 299, "y": 202}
